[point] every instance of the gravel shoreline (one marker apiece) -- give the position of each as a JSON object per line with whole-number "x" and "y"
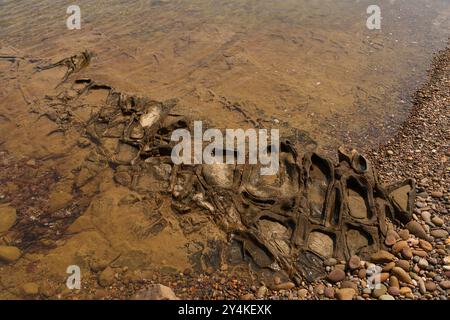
{"x": 417, "y": 264}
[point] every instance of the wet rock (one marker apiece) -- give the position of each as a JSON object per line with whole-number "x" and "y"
{"x": 336, "y": 275}
{"x": 106, "y": 277}
{"x": 123, "y": 178}
{"x": 382, "y": 257}
{"x": 30, "y": 289}
{"x": 345, "y": 294}
{"x": 8, "y": 217}
{"x": 416, "y": 229}
{"x": 439, "y": 233}
{"x": 401, "y": 274}
{"x": 155, "y": 292}
{"x": 9, "y": 254}
{"x": 58, "y": 199}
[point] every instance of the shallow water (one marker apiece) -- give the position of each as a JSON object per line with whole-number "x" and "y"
{"x": 311, "y": 65}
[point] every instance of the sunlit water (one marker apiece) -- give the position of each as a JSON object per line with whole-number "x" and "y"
{"x": 308, "y": 64}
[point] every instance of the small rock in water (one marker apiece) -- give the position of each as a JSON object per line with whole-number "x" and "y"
{"x": 31, "y": 289}
{"x": 386, "y": 297}
{"x": 9, "y": 254}
{"x": 8, "y": 217}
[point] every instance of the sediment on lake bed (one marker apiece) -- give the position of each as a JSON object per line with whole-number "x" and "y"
{"x": 125, "y": 256}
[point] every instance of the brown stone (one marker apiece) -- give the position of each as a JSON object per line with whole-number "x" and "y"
{"x": 329, "y": 292}
{"x": 393, "y": 281}
{"x": 284, "y": 286}
{"x": 404, "y": 234}
{"x": 401, "y": 274}
{"x": 407, "y": 253}
{"x": 345, "y": 294}
{"x": 404, "y": 264}
{"x": 354, "y": 262}
{"x": 399, "y": 246}
{"x": 382, "y": 257}
{"x": 388, "y": 267}
{"x": 416, "y": 229}
{"x": 336, "y": 275}
{"x": 394, "y": 291}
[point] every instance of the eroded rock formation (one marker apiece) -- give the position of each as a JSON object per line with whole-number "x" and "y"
{"x": 313, "y": 209}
